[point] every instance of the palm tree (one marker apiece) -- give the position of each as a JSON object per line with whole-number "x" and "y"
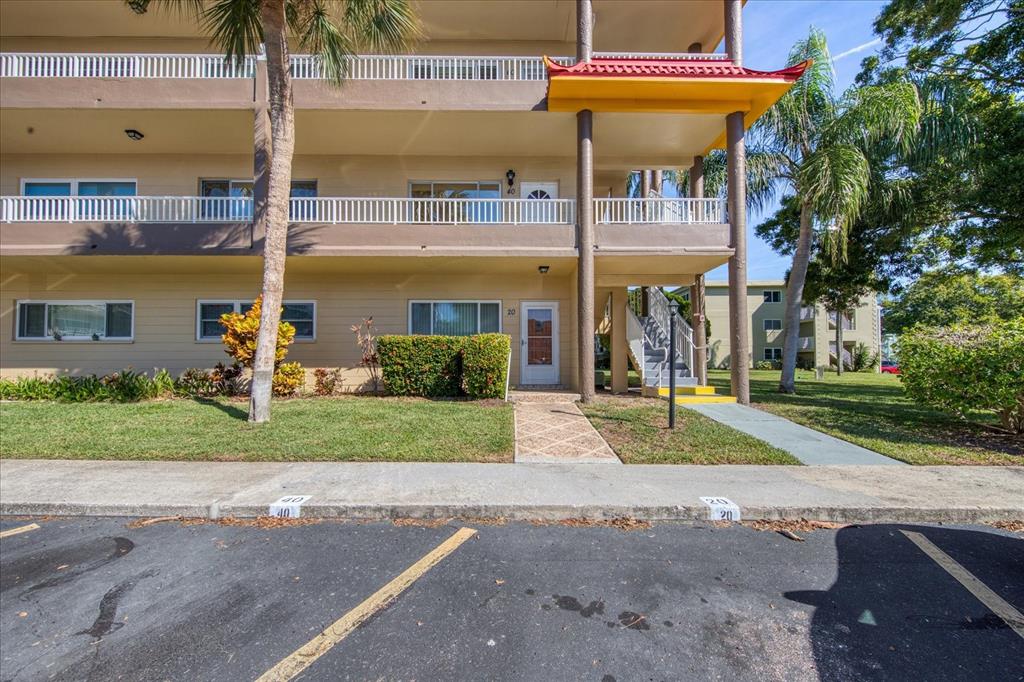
{"x": 816, "y": 146}
{"x": 331, "y": 29}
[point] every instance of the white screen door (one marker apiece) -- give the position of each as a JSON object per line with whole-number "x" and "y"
{"x": 538, "y": 343}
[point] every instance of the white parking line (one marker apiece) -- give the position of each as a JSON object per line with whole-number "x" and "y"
{"x": 20, "y": 529}
{"x": 305, "y": 656}
{"x": 990, "y": 599}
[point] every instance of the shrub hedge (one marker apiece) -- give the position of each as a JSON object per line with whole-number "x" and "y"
{"x": 445, "y": 366}
{"x": 485, "y": 365}
{"x": 967, "y": 368}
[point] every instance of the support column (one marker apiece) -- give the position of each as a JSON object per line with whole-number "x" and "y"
{"x": 620, "y": 343}
{"x": 645, "y": 183}
{"x": 700, "y": 338}
{"x": 585, "y": 211}
{"x": 261, "y": 151}
{"x": 739, "y": 318}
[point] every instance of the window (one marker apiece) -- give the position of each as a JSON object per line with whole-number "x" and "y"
{"x": 76, "y": 320}
{"x": 772, "y": 353}
{"x": 772, "y": 325}
{"x": 772, "y": 296}
{"x": 457, "y": 211}
{"x": 299, "y": 314}
{"x": 454, "y": 318}
{"x": 219, "y": 188}
{"x": 78, "y": 188}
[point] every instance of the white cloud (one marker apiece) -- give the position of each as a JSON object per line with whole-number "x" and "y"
{"x": 855, "y": 50}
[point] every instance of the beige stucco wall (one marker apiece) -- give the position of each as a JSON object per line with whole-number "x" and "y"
{"x": 818, "y": 332}
{"x": 357, "y": 176}
{"x": 165, "y": 309}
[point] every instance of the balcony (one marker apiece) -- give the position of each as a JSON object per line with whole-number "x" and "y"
{"x": 806, "y": 313}
{"x": 208, "y": 81}
{"x": 806, "y": 343}
{"x": 175, "y": 224}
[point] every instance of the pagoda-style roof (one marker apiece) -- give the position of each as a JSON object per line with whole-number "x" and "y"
{"x": 667, "y": 85}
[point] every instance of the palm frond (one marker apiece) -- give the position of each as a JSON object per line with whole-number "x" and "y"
{"x": 888, "y": 114}
{"x": 835, "y": 179}
{"x": 792, "y": 121}
{"x": 235, "y": 26}
{"x": 319, "y": 34}
{"x": 383, "y": 25}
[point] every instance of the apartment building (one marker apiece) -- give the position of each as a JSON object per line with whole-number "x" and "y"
{"x": 477, "y": 185}
{"x": 766, "y": 301}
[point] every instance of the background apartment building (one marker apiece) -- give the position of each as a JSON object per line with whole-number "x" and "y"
{"x": 766, "y": 301}
{"x": 473, "y": 186}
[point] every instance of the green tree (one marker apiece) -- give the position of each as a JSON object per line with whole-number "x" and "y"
{"x": 331, "y": 29}
{"x": 941, "y": 298}
{"x": 815, "y": 145}
{"x": 974, "y": 48}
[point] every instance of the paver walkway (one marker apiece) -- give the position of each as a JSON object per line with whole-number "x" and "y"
{"x": 549, "y": 429}
{"x": 807, "y": 445}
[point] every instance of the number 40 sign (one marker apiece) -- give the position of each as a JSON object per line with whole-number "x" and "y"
{"x": 289, "y": 506}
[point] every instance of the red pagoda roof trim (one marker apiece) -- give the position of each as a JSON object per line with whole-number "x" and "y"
{"x": 632, "y": 67}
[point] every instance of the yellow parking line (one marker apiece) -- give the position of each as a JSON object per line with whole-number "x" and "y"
{"x": 20, "y": 529}
{"x": 305, "y": 656}
{"x": 980, "y": 590}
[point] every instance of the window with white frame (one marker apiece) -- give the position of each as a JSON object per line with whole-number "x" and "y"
{"x": 299, "y": 314}
{"x": 454, "y": 318}
{"x": 772, "y": 353}
{"x": 772, "y": 296}
{"x": 75, "y": 320}
{"x": 484, "y": 207}
{"x": 772, "y": 325}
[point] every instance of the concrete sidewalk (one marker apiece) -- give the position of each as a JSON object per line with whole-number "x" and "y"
{"x": 516, "y": 491}
{"x": 809, "y": 446}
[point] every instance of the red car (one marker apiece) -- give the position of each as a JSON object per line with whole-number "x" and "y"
{"x": 890, "y": 367}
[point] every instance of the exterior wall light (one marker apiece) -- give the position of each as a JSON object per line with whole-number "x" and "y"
{"x": 133, "y": 134}
{"x": 543, "y": 269}
{"x": 510, "y": 175}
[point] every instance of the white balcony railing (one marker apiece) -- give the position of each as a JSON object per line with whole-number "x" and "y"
{"x": 335, "y": 210}
{"x": 63, "y": 65}
{"x": 655, "y": 211}
{"x": 429, "y": 67}
{"x": 339, "y": 210}
{"x": 433, "y": 211}
{"x": 124, "y": 209}
{"x": 304, "y": 67}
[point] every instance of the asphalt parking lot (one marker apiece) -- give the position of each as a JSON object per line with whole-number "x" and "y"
{"x": 94, "y": 599}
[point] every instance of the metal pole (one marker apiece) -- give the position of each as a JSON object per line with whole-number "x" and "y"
{"x": 672, "y": 371}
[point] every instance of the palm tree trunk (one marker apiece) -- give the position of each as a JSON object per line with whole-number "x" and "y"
{"x": 275, "y": 217}
{"x": 794, "y": 299}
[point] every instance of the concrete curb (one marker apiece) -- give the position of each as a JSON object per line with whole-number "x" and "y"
{"x": 523, "y": 512}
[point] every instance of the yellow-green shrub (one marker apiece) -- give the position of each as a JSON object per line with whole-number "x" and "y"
{"x": 241, "y": 332}
{"x": 289, "y": 377}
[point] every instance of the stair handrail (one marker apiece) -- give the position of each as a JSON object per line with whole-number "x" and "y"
{"x": 635, "y": 337}
{"x": 662, "y": 309}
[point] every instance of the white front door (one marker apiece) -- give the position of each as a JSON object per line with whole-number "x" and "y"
{"x": 538, "y": 190}
{"x": 538, "y": 345}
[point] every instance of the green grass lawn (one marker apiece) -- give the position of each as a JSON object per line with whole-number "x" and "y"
{"x": 349, "y": 429}
{"x": 871, "y": 410}
{"x": 637, "y": 429}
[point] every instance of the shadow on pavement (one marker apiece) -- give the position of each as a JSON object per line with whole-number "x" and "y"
{"x": 894, "y": 613}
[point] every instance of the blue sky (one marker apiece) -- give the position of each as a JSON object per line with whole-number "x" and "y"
{"x": 770, "y": 27}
